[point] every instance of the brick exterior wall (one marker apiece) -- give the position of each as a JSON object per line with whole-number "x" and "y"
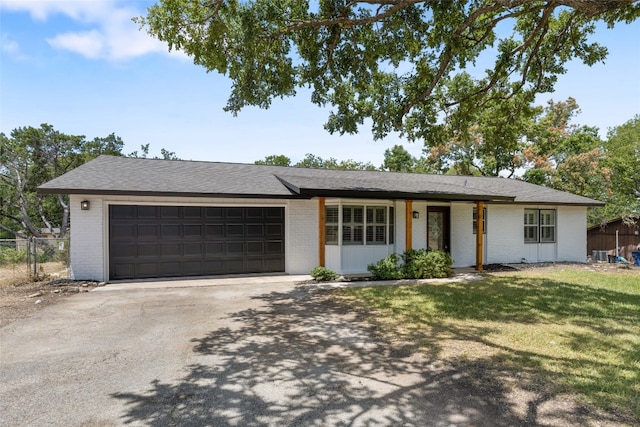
{"x": 504, "y": 241}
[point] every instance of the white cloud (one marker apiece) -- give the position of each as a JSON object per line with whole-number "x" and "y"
{"x": 107, "y": 30}
{"x": 9, "y": 46}
{"x": 88, "y": 44}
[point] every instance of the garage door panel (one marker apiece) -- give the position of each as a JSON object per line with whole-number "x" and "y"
{"x": 274, "y": 247}
{"x": 148, "y": 250}
{"x": 254, "y": 248}
{"x": 170, "y": 269}
{"x": 234, "y": 231}
{"x": 235, "y": 248}
{"x": 214, "y": 213}
{"x": 274, "y": 230}
{"x": 234, "y": 213}
{"x": 192, "y": 231}
{"x": 171, "y": 249}
{"x": 192, "y": 268}
{"x": 214, "y": 249}
{"x": 255, "y": 264}
{"x": 172, "y": 241}
{"x": 148, "y": 269}
{"x": 124, "y": 250}
{"x": 170, "y": 231}
{"x": 234, "y": 266}
{"x": 147, "y": 212}
{"x": 123, "y": 232}
{"x": 124, "y": 271}
{"x": 255, "y": 230}
{"x": 193, "y": 250}
{"x": 170, "y": 212}
{"x": 194, "y": 212}
{"x": 123, "y": 212}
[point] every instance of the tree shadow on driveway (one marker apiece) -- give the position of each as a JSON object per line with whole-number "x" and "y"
{"x": 302, "y": 359}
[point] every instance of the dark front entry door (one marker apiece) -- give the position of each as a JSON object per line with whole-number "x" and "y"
{"x": 172, "y": 241}
{"x": 438, "y": 233}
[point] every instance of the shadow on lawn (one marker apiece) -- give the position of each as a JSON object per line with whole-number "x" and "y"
{"x": 598, "y": 327}
{"x": 304, "y": 359}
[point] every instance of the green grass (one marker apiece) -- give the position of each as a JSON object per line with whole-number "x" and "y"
{"x": 577, "y": 331}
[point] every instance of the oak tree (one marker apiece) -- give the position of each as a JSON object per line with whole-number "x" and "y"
{"x": 407, "y": 65}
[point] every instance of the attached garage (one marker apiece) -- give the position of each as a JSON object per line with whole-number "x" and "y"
{"x": 174, "y": 241}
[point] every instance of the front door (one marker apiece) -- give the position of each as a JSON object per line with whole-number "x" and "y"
{"x": 438, "y": 228}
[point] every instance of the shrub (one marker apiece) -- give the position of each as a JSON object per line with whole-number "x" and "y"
{"x": 428, "y": 264}
{"x": 386, "y": 268}
{"x": 416, "y": 264}
{"x": 323, "y": 274}
{"x": 10, "y": 256}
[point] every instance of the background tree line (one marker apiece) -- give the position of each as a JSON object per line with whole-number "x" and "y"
{"x": 31, "y": 156}
{"x": 542, "y": 146}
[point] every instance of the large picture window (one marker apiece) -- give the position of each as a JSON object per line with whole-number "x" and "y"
{"x": 359, "y": 225}
{"x": 539, "y": 225}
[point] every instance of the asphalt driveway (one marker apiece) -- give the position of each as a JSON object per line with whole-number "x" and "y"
{"x": 254, "y": 354}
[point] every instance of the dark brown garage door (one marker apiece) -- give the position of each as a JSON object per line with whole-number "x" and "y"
{"x": 174, "y": 241}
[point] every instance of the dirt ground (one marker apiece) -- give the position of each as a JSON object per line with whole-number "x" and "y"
{"x": 20, "y": 296}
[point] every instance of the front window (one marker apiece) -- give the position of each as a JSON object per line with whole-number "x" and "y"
{"x": 376, "y": 225}
{"x": 352, "y": 225}
{"x": 539, "y": 225}
{"x": 359, "y": 225}
{"x": 331, "y": 225}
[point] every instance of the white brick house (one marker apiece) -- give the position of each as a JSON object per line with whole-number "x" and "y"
{"x": 142, "y": 218}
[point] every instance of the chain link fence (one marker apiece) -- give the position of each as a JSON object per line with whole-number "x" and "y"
{"x": 34, "y": 259}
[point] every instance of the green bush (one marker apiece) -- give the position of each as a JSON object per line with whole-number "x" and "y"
{"x": 323, "y": 274}
{"x": 10, "y": 256}
{"x": 386, "y": 268}
{"x": 429, "y": 264}
{"x": 416, "y": 264}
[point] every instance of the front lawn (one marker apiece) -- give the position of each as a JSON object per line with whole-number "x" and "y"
{"x": 572, "y": 330}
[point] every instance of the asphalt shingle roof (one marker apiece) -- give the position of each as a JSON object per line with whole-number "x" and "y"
{"x": 124, "y": 175}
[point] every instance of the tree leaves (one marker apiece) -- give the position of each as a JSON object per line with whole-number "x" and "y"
{"x": 396, "y": 62}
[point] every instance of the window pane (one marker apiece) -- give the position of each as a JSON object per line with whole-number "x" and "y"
{"x": 530, "y": 217}
{"x": 331, "y": 235}
{"x": 331, "y": 214}
{"x": 358, "y": 233}
{"x": 370, "y": 215}
{"x": 391, "y": 216}
{"x": 380, "y": 217}
{"x": 530, "y": 234}
{"x": 358, "y": 215}
{"x": 547, "y": 234}
{"x": 392, "y": 234}
{"x": 346, "y": 234}
{"x": 547, "y": 217}
{"x": 346, "y": 215}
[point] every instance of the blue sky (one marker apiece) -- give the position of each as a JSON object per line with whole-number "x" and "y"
{"x": 83, "y": 67}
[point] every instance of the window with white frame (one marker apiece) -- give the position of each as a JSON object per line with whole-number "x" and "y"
{"x": 547, "y": 225}
{"x": 376, "y": 225}
{"x": 352, "y": 225}
{"x": 539, "y": 225}
{"x": 359, "y": 225}
{"x": 331, "y": 225}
